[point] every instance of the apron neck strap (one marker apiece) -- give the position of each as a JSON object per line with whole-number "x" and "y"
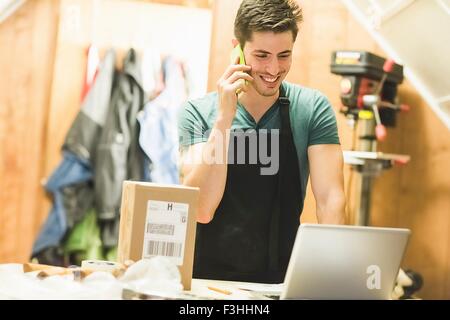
{"x": 282, "y": 99}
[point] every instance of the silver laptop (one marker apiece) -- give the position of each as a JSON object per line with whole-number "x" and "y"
{"x": 344, "y": 262}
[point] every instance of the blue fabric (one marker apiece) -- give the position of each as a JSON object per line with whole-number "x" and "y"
{"x": 72, "y": 170}
{"x": 147, "y": 169}
{"x": 158, "y": 137}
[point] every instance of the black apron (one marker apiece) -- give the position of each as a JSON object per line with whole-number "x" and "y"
{"x": 253, "y": 230}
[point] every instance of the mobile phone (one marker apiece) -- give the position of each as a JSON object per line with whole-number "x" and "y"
{"x": 237, "y": 52}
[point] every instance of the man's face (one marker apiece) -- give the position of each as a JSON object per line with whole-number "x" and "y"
{"x": 270, "y": 56}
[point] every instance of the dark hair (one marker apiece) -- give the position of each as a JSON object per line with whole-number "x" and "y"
{"x": 266, "y": 15}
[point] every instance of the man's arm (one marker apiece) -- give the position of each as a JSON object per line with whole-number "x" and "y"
{"x": 209, "y": 176}
{"x": 327, "y": 182}
{"x": 204, "y": 165}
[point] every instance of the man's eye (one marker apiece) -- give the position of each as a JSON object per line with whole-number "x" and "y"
{"x": 284, "y": 57}
{"x": 261, "y": 55}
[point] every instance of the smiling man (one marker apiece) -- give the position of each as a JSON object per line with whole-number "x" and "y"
{"x": 248, "y": 216}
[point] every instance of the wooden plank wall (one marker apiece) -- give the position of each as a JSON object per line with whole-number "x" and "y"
{"x": 416, "y": 196}
{"x": 27, "y": 45}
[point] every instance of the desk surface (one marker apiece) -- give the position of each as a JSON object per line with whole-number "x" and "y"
{"x": 231, "y": 290}
{"x": 17, "y": 285}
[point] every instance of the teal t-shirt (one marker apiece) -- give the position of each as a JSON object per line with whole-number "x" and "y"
{"x": 312, "y": 121}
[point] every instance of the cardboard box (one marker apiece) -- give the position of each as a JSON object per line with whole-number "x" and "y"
{"x": 159, "y": 219}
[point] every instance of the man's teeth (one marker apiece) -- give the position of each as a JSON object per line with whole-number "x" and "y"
{"x": 270, "y": 79}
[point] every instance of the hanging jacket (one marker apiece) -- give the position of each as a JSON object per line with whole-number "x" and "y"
{"x": 83, "y": 242}
{"x": 100, "y": 151}
{"x": 71, "y": 172}
{"x": 158, "y": 123}
{"x": 83, "y": 136}
{"x": 118, "y": 156}
{"x": 71, "y": 183}
{"x": 93, "y": 61}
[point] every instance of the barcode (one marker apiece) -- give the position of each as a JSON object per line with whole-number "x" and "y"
{"x": 156, "y": 228}
{"x": 160, "y": 248}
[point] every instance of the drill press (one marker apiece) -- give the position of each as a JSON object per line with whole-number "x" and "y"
{"x": 368, "y": 92}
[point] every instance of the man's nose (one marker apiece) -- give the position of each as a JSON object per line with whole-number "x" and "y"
{"x": 273, "y": 67}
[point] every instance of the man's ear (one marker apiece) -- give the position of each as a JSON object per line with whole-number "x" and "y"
{"x": 234, "y": 42}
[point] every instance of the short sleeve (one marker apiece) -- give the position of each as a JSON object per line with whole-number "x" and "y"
{"x": 323, "y": 126}
{"x": 191, "y": 126}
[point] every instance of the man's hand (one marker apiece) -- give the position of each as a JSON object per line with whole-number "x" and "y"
{"x": 231, "y": 82}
